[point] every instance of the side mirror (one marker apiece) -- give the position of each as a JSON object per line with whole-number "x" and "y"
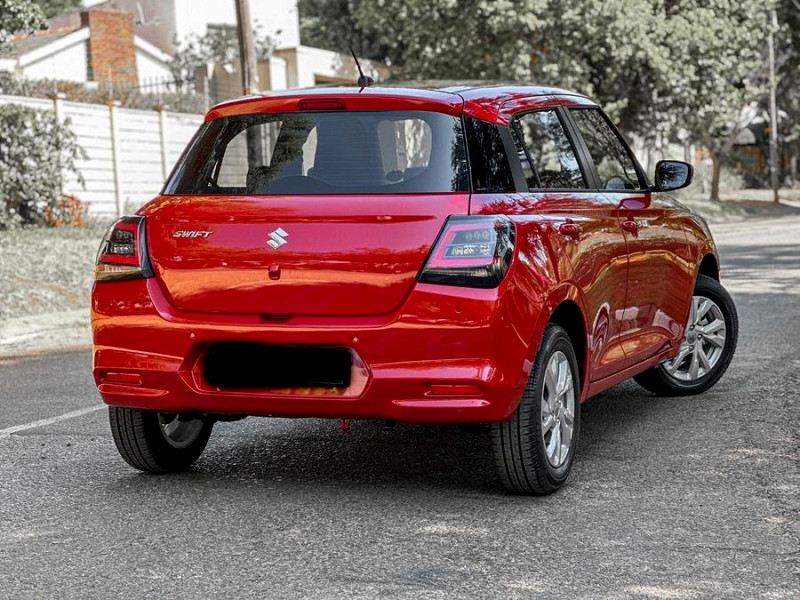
{"x": 673, "y": 175}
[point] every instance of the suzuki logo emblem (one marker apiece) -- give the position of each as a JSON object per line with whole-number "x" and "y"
{"x": 278, "y": 238}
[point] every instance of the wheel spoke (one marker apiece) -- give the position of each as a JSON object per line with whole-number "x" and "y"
{"x": 672, "y": 365}
{"x": 551, "y": 383}
{"x": 566, "y": 433}
{"x": 694, "y": 365}
{"x": 547, "y": 423}
{"x": 703, "y": 358}
{"x": 557, "y": 438}
{"x": 563, "y": 375}
{"x": 712, "y": 327}
{"x": 717, "y": 340}
{"x": 551, "y": 447}
{"x": 704, "y": 304}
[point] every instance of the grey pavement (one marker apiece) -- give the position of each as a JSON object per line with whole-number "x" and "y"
{"x": 670, "y": 497}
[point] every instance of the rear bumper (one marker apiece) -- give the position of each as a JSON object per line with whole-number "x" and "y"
{"x": 449, "y": 355}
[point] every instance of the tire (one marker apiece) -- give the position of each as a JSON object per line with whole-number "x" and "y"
{"x": 142, "y": 439}
{"x": 520, "y": 446}
{"x": 665, "y": 379}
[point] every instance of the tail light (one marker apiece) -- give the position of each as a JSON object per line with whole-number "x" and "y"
{"x": 123, "y": 252}
{"x": 471, "y": 252}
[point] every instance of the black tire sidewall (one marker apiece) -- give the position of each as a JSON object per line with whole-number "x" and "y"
{"x": 168, "y": 456}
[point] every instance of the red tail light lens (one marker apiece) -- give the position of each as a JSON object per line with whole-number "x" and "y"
{"x": 471, "y": 252}
{"x": 123, "y": 252}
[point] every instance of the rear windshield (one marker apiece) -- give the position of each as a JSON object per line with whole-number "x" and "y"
{"x": 386, "y": 152}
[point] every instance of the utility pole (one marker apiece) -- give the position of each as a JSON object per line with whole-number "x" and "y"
{"x": 774, "y": 158}
{"x": 247, "y": 57}
{"x": 247, "y": 49}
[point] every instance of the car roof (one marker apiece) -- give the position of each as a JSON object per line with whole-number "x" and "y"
{"x": 472, "y": 98}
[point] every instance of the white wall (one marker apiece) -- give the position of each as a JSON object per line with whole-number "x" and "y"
{"x": 306, "y": 66}
{"x": 150, "y": 68}
{"x": 69, "y": 63}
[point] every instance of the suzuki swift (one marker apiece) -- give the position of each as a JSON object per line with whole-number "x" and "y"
{"x": 463, "y": 255}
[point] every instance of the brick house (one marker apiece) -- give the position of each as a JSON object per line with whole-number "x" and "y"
{"x": 98, "y": 45}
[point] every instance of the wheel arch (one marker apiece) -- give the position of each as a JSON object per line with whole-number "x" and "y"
{"x": 568, "y": 316}
{"x": 709, "y": 266}
{"x": 564, "y": 308}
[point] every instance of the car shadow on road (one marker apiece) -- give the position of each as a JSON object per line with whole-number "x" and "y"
{"x": 314, "y": 452}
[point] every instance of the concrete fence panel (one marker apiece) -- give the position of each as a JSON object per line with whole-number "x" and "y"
{"x": 128, "y": 152}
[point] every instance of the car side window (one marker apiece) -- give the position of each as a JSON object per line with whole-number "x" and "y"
{"x": 613, "y": 161}
{"x": 554, "y": 163}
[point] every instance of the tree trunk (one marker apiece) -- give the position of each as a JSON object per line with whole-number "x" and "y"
{"x": 715, "y": 170}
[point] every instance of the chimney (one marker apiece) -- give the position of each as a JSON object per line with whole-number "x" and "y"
{"x": 112, "y": 54}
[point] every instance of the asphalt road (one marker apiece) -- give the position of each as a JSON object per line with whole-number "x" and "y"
{"x": 670, "y": 497}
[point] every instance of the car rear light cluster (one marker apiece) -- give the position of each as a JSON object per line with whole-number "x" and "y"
{"x": 471, "y": 252}
{"x": 123, "y": 253}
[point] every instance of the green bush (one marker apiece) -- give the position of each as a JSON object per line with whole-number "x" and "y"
{"x": 35, "y": 153}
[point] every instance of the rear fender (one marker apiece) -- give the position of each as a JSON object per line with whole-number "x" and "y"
{"x": 565, "y": 292}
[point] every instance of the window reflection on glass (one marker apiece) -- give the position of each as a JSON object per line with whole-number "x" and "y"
{"x": 550, "y": 151}
{"x": 612, "y": 160}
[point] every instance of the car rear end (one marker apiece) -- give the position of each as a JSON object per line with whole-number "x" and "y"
{"x": 313, "y": 255}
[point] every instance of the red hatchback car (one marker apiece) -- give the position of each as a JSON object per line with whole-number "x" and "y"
{"x": 463, "y": 255}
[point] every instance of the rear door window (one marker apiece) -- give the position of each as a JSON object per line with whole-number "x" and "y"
{"x": 553, "y": 164}
{"x": 326, "y": 153}
{"x": 614, "y": 163}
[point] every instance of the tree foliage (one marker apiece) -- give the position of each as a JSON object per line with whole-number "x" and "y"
{"x": 218, "y": 45}
{"x": 35, "y": 153}
{"x": 55, "y": 8}
{"x": 663, "y": 69}
{"x": 788, "y": 50}
{"x": 332, "y": 24}
{"x": 19, "y": 16}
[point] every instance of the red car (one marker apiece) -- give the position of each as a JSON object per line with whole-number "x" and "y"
{"x": 463, "y": 255}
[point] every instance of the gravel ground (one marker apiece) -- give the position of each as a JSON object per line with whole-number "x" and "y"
{"x": 47, "y": 270}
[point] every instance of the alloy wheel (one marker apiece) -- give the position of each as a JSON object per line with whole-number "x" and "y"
{"x": 703, "y": 342}
{"x": 558, "y": 409}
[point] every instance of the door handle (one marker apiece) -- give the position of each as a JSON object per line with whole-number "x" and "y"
{"x": 631, "y": 227}
{"x": 571, "y": 229}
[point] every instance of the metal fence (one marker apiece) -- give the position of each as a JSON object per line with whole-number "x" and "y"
{"x": 129, "y": 152}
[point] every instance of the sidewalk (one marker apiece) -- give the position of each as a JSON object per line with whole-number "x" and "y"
{"x": 47, "y": 331}
{"x": 742, "y": 205}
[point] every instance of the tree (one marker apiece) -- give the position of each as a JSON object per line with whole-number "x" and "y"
{"x": 19, "y": 16}
{"x": 35, "y": 153}
{"x": 332, "y": 24}
{"x": 55, "y": 8}
{"x": 219, "y": 45}
{"x": 719, "y": 47}
{"x": 660, "y": 67}
{"x": 787, "y": 46}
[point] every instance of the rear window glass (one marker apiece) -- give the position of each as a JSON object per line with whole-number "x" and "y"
{"x": 325, "y": 153}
